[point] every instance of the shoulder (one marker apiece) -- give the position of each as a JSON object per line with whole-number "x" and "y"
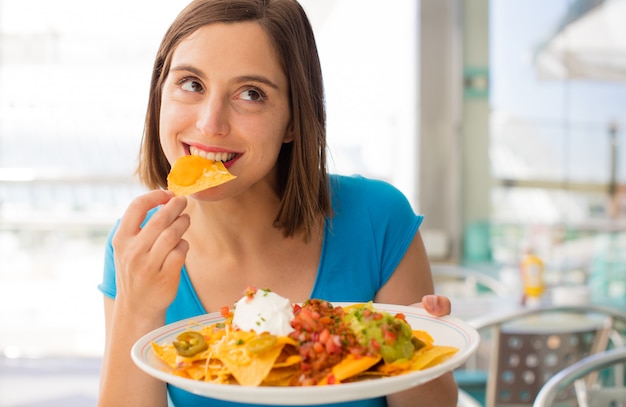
{"x": 343, "y": 185}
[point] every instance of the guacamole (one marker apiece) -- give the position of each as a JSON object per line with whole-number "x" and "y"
{"x": 382, "y": 332}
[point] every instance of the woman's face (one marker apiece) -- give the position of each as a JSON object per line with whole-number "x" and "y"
{"x": 226, "y": 98}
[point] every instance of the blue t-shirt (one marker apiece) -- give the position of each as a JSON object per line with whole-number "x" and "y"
{"x": 372, "y": 227}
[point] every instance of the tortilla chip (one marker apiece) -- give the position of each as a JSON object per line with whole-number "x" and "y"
{"x": 426, "y": 358}
{"x": 192, "y": 173}
{"x": 250, "y": 369}
{"x": 280, "y": 376}
{"x": 350, "y": 366}
{"x": 166, "y": 353}
{"x": 423, "y": 336}
{"x": 196, "y": 371}
{"x": 395, "y": 368}
{"x": 193, "y": 367}
{"x": 288, "y": 361}
{"x": 253, "y": 372}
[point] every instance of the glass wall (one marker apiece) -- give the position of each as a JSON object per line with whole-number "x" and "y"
{"x": 558, "y": 139}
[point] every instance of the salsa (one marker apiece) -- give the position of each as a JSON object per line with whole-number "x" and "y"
{"x": 323, "y": 338}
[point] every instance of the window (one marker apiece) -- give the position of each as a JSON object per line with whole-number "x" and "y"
{"x": 552, "y": 145}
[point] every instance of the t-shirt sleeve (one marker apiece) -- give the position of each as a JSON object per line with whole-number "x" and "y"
{"x": 371, "y": 229}
{"x": 108, "y": 285}
{"x": 396, "y": 223}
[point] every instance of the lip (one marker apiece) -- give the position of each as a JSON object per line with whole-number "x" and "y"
{"x": 187, "y": 147}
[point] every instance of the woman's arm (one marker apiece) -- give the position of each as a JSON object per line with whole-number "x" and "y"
{"x": 121, "y": 381}
{"x": 409, "y": 284}
{"x": 148, "y": 261}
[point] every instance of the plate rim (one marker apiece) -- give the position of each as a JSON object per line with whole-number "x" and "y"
{"x": 308, "y": 395}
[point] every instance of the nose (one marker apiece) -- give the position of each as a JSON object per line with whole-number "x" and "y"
{"x": 213, "y": 116}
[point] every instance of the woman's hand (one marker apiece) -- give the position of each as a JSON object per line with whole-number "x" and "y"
{"x": 437, "y": 305}
{"x": 148, "y": 260}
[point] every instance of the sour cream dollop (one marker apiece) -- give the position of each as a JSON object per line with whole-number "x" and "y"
{"x": 264, "y": 311}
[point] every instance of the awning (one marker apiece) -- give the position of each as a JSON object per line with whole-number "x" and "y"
{"x": 589, "y": 44}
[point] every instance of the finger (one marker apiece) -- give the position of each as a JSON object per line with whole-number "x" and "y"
{"x": 164, "y": 217}
{"x": 436, "y": 305}
{"x": 170, "y": 239}
{"x": 136, "y": 212}
{"x": 174, "y": 261}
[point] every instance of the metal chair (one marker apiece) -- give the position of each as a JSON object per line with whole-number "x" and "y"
{"x": 596, "y": 395}
{"x": 528, "y": 346}
{"x": 455, "y": 281}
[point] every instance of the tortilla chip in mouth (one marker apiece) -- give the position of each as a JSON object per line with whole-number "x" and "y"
{"x": 193, "y": 173}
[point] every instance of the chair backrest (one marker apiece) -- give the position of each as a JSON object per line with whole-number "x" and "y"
{"x": 455, "y": 281}
{"x": 529, "y": 346}
{"x": 595, "y": 396}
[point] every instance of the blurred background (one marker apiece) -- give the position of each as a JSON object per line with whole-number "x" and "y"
{"x": 503, "y": 121}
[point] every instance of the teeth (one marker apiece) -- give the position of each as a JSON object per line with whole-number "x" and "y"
{"x": 223, "y": 157}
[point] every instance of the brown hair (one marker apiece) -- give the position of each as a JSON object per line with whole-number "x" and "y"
{"x": 302, "y": 176}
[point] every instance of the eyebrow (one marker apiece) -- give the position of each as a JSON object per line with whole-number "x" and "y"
{"x": 244, "y": 78}
{"x": 189, "y": 68}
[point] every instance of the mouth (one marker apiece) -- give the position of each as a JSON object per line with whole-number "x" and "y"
{"x": 211, "y": 155}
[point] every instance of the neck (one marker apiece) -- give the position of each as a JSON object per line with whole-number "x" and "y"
{"x": 234, "y": 223}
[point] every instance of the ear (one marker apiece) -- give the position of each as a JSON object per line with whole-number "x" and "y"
{"x": 288, "y": 138}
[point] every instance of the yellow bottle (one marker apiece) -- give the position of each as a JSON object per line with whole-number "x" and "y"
{"x": 532, "y": 278}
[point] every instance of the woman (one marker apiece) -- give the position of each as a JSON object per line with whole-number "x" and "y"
{"x": 239, "y": 81}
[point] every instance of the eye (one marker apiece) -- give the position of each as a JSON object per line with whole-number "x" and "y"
{"x": 253, "y": 95}
{"x": 190, "y": 85}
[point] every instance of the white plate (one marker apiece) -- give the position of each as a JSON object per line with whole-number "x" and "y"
{"x": 448, "y": 331}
